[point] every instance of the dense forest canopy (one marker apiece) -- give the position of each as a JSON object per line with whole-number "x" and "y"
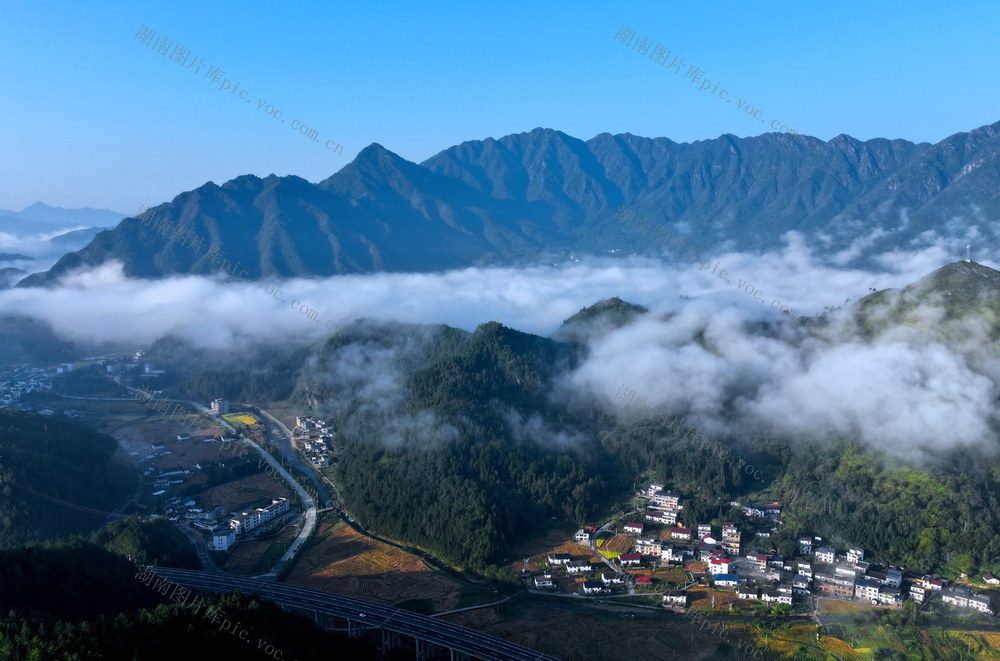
{"x": 70, "y": 599}
{"x": 57, "y": 477}
{"x": 148, "y": 542}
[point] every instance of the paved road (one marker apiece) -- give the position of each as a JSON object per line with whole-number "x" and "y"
{"x": 363, "y": 612}
{"x": 283, "y": 437}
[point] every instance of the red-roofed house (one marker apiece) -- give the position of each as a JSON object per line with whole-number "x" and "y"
{"x": 680, "y": 533}
{"x": 630, "y": 558}
{"x": 634, "y": 528}
{"x": 719, "y": 566}
{"x": 644, "y": 579}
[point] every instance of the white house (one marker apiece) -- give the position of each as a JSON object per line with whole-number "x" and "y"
{"x": 980, "y": 603}
{"x": 630, "y": 558}
{"x": 611, "y": 579}
{"x": 544, "y": 581}
{"x": 222, "y": 541}
{"x": 855, "y": 554}
{"x": 800, "y": 584}
{"x": 773, "y": 596}
{"x": 593, "y": 587}
{"x": 678, "y": 597}
{"x": 719, "y": 566}
{"x": 825, "y": 554}
{"x": 725, "y": 580}
{"x": 867, "y": 590}
{"x": 579, "y": 567}
{"x": 634, "y": 528}
{"x": 648, "y": 547}
{"x": 666, "y": 499}
{"x": 559, "y": 558}
{"x": 956, "y": 596}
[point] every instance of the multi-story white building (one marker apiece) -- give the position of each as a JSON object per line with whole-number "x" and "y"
{"x": 666, "y": 499}
{"x": 855, "y": 554}
{"x": 980, "y": 603}
{"x": 247, "y": 521}
{"x": 223, "y": 540}
{"x": 825, "y": 554}
{"x": 868, "y": 590}
{"x": 220, "y": 406}
{"x": 649, "y": 546}
{"x": 719, "y": 566}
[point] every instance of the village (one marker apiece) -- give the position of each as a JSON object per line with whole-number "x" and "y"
{"x": 697, "y": 567}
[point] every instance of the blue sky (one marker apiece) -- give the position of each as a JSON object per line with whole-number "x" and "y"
{"x": 95, "y": 118}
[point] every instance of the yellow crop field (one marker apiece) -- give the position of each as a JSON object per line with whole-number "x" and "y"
{"x": 840, "y": 648}
{"x": 240, "y": 417}
{"x": 619, "y": 544}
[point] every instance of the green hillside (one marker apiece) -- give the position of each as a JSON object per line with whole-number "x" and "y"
{"x": 57, "y": 478}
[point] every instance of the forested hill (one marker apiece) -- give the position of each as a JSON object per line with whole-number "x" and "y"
{"x": 57, "y": 478}
{"x": 464, "y": 443}
{"x": 73, "y": 600}
{"x": 457, "y": 444}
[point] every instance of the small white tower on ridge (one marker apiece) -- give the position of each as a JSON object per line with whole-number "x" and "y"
{"x": 968, "y": 252}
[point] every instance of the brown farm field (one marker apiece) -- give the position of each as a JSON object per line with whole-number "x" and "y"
{"x": 577, "y": 551}
{"x": 619, "y": 544}
{"x": 586, "y": 637}
{"x": 345, "y": 562}
{"x": 233, "y": 495}
{"x": 258, "y": 556}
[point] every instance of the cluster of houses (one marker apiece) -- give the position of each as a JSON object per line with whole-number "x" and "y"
{"x": 604, "y": 581}
{"x": 213, "y": 522}
{"x": 817, "y": 568}
{"x": 22, "y": 379}
{"x": 315, "y": 437}
{"x": 849, "y": 576}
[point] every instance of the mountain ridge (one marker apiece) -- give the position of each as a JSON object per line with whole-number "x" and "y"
{"x": 546, "y": 192}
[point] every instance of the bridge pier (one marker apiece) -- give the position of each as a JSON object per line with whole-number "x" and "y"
{"x": 355, "y": 629}
{"x": 390, "y": 639}
{"x": 425, "y": 650}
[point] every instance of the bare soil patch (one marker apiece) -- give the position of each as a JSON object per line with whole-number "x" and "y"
{"x": 584, "y": 637}
{"x": 347, "y": 563}
{"x": 244, "y": 491}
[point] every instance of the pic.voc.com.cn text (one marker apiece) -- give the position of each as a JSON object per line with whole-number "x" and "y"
{"x": 214, "y": 75}
{"x": 626, "y": 215}
{"x": 192, "y": 240}
{"x": 642, "y": 45}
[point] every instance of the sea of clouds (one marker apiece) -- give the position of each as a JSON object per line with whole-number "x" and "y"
{"x": 705, "y": 350}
